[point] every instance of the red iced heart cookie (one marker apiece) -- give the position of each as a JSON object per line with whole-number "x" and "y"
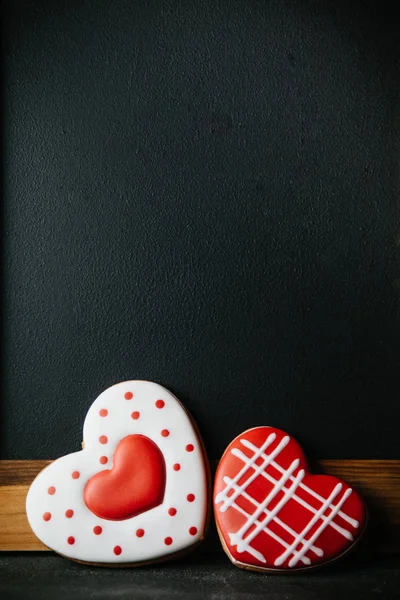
{"x": 136, "y": 482}
{"x": 272, "y": 514}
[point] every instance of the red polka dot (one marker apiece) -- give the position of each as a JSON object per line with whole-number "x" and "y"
{"x": 103, "y": 412}
{"x": 193, "y": 530}
{"x": 51, "y": 490}
{"x": 103, "y": 439}
{"x": 76, "y": 475}
{"x": 160, "y": 403}
{"x": 135, "y": 415}
{"x": 140, "y": 532}
{"x": 71, "y": 540}
{"x": 165, "y": 433}
{"x": 172, "y": 512}
{"x": 46, "y": 516}
{"x": 117, "y": 550}
{"x": 97, "y": 530}
{"x": 189, "y": 448}
{"x": 177, "y": 467}
{"x": 128, "y": 396}
{"x": 190, "y": 497}
{"x": 103, "y": 460}
{"x": 69, "y": 513}
{"x": 168, "y": 541}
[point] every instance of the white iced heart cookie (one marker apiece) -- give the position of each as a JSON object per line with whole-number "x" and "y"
{"x": 136, "y": 493}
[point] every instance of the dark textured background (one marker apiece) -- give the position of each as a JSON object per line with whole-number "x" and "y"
{"x": 205, "y": 574}
{"x": 203, "y": 193}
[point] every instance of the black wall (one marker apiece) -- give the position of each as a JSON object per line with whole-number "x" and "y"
{"x": 205, "y": 194}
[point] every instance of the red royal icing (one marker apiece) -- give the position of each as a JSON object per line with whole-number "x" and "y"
{"x": 97, "y": 530}
{"x": 165, "y": 433}
{"x": 103, "y": 412}
{"x": 135, "y": 484}
{"x": 76, "y": 475}
{"x": 103, "y": 460}
{"x": 189, "y": 448}
{"x": 69, "y": 513}
{"x": 103, "y": 439}
{"x": 177, "y": 467}
{"x": 46, "y": 516}
{"x": 117, "y": 550}
{"x": 128, "y": 396}
{"x": 160, "y": 403}
{"x": 135, "y": 415}
{"x": 272, "y": 513}
{"x": 140, "y": 533}
{"x": 190, "y": 497}
{"x": 168, "y": 541}
{"x": 71, "y": 540}
{"x": 172, "y": 512}
{"x": 193, "y": 530}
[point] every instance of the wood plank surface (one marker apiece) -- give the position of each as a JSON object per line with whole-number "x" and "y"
{"x": 377, "y": 480}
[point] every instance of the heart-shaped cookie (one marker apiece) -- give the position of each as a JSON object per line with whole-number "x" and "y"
{"x": 272, "y": 514}
{"x": 136, "y": 493}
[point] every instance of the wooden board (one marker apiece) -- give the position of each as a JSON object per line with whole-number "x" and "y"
{"x": 377, "y": 480}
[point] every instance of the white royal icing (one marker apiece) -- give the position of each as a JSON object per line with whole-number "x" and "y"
{"x": 186, "y": 524}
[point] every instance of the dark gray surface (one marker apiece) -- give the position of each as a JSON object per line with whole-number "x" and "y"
{"x": 203, "y": 193}
{"x": 48, "y": 577}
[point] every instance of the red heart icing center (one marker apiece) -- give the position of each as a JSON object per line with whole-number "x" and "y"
{"x": 135, "y": 484}
{"x": 272, "y": 514}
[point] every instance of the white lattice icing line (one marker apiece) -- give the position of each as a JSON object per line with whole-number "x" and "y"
{"x": 223, "y": 496}
{"x": 299, "y": 500}
{"x": 300, "y": 539}
{"x": 306, "y": 488}
{"x": 262, "y": 527}
{"x": 56, "y": 506}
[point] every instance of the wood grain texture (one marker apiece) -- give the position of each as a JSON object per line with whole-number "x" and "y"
{"x": 15, "y": 479}
{"x": 377, "y": 480}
